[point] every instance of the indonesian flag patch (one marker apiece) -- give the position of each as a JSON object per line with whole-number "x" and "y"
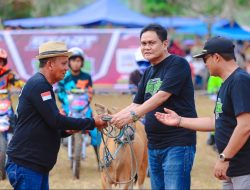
{"x": 46, "y": 95}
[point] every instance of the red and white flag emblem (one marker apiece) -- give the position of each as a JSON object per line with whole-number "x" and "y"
{"x": 46, "y": 95}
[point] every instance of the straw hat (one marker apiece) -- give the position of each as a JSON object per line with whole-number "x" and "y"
{"x": 53, "y": 49}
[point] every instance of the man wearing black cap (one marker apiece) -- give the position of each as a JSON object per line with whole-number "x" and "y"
{"x": 231, "y": 115}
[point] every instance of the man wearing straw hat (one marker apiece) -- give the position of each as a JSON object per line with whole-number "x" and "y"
{"x": 33, "y": 150}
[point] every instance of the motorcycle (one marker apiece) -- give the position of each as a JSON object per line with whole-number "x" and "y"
{"x": 5, "y": 113}
{"x": 78, "y": 108}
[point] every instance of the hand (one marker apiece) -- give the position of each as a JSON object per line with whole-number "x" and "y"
{"x": 99, "y": 123}
{"x": 220, "y": 170}
{"x": 62, "y": 112}
{"x": 169, "y": 118}
{"x": 120, "y": 120}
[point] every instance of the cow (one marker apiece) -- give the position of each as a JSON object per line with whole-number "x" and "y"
{"x": 124, "y": 159}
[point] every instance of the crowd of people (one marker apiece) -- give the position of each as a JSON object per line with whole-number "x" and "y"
{"x": 200, "y": 75}
{"x": 167, "y": 75}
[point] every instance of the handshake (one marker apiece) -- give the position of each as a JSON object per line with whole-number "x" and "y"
{"x": 101, "y": 121}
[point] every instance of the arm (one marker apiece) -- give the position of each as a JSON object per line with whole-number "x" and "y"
{"x": 237, "y": 141}
{"x": 124, "y": 117}
{"x": 158, "y": 99}
{"x": 170, "y": 82}
{"x": 64, "y": 134}
{"x": 49, "y": 112}
{"x": 203, "y": 124}
{"x": 239, "y": 137}
{"x": 241, "y": 107}
{"x": 198, "y": 124}
{"x": 127, "y": 109}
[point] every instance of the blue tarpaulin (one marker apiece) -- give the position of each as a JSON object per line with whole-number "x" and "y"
{"x": 175, "y": 22}
{"x": 220, "y": 27}
{"x": 231, "y": 30}
{"x": 101, "y": 12}
{"x": 200, "y": 30}
{"x": 188, "y": 25}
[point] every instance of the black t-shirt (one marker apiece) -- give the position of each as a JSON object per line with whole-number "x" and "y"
{"x": 232, "y": 100}
{"x": 172, "y": 75}
{"x": 36, "y": 140}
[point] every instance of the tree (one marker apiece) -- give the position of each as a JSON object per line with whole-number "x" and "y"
{"x": 208, "y": 10}
{"x": 162, "y": 7}
{"x": 16, "y": 9}
{"x": 12, "y": 9}
{"x": 57, "y": 7}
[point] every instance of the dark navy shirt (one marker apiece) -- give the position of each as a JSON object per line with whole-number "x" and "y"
{"x": 232, "y": 100}
{"x": 40, "y": 126}
{"x": 172, "y": 75}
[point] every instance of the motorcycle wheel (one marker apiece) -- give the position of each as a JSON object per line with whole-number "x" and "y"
{"x": 77, "y": 155}
{"x": 3, "y": 147}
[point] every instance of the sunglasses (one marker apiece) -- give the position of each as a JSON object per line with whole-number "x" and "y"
{"x": 205, "y": 58}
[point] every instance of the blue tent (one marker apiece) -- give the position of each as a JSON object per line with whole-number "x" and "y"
{"x": 101, "y": 12}
{"x": 200, "y": 30}
{"x": 188, "y": 25}
{"x": 220, "y": 27}
{"x": 231, "y": 30}
{"x": 176, "y": 22}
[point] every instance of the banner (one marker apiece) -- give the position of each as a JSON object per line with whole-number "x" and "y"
{"x": 109, "y": 52}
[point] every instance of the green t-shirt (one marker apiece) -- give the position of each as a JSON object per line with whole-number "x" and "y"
{"x": 213, "y": 84}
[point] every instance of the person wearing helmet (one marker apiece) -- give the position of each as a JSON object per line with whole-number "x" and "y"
{"x": 8, "y": 79}
{"x": 75, "y": 78}
{"x": 3, "y": 57}
{"x": 135, "y": 76}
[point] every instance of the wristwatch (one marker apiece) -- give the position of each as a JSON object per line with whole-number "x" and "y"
{"x": 134, "y": 116}
{"x": 223, "y": 158}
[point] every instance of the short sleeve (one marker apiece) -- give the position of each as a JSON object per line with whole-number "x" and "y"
{"x": 240, "y": 94}
{"x": 176, "y": 76}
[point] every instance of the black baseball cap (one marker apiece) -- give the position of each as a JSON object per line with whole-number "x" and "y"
{"x": 218, "y": 45}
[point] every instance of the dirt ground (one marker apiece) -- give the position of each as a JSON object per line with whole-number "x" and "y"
{"x": 202, "y": 173}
